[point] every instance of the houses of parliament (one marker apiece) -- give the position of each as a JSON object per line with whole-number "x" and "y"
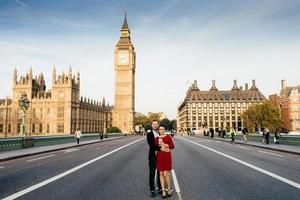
{"x": 61, "y": 110}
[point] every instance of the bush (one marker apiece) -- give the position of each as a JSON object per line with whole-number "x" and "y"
{"x": 113, "y": 130}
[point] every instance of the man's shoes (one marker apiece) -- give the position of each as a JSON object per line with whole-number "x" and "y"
{"x": 152, "y": 194}
{"x": 159, "y": 190}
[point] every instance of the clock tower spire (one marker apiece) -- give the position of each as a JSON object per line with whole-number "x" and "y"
{"x": 124, "y": 57}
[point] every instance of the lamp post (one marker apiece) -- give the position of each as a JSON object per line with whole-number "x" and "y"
{"x": 24, "y": 105}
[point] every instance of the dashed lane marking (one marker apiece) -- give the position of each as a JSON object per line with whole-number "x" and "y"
{"x": 280, "y": 178}
{"x": 273, "y": 154}
{"x": 243, "y": 147}
{"x": 40, "y": 158}
{"x": 70, "y": 150}
{"x": 175, "y": 181}
{"x": 59, "y": 176}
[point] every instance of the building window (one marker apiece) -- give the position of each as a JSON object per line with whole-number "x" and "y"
{"x": 48, "y": 111}
{"x": 19, "y": 128}
{"x": 48, "y": 128}
{"x": 41, "y": 112}
{"x": 60, "y": 128}
{"x": 40, "y": 128}
{"x": 1, "y": 128}
{"x": 60, "y": 112}
{"x": 1, "y": 113}
{"x": 34, "y": 113}
{"x": 9, "y": 128}
{"x": 33, "y": 128}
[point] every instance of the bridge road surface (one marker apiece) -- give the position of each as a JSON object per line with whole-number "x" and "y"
{"x": 118, "y": 169}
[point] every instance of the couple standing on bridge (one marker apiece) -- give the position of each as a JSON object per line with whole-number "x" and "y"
{"x": 160, "y": 160}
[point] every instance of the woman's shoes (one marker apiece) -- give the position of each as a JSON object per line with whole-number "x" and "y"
{"x": 169, "y": 193}
{"x": 163, "y": 194}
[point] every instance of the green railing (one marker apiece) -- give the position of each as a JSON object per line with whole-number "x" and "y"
{"x": 16, "y": 143}
{"x": 285, "y": 139}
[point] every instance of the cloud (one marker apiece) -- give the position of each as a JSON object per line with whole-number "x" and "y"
{"x": 21, "y": 3}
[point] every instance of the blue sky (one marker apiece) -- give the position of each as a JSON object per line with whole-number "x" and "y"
{"x": 176, "y": 42}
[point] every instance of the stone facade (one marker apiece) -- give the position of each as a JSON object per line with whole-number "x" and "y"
{"x": 124, "y": 59}
{"x": 216, "y": 109}
{"x": 288, "y": 102}
{"x": 58, "y": 111}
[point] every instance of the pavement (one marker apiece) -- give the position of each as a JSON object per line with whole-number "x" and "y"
{"x": 276, "y": 147}
{"x": 13, "y": 154}
{"x": 203, "y": 169}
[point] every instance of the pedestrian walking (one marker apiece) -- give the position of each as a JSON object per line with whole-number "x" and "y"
{"x": 223, "y": 133}
{"x": 153, "y": 147}
{"x": 267, "y": 135}
{"x": 164, "y": 160}
{"x": 78, "y": 135}
{"x": 232, "y": 135}
{"x": 212, "y": 132}
{"x": 245, "y": 133}
{"x": 276, "y": 137}
{"x": 264, "y": 136}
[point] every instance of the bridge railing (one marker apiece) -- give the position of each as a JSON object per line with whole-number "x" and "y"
{"x": 284, "y": 139}
{"x": 17, "y": 142}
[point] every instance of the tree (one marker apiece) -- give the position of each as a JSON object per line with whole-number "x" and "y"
{"x": 264, "y": 115}
{"x": 167, "y": 123}
{"x": 113, "y": 130}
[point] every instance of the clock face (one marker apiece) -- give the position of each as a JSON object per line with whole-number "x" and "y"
{"x": 123, "y": 57}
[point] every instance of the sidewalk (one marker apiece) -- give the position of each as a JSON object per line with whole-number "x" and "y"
{"x": 277, "y": 147}
{"x": 13, "y": 154}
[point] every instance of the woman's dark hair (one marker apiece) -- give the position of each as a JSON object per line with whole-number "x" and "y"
{"x": 161, "y": 125}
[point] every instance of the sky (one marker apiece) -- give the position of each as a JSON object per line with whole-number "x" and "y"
{"x": 176, "y": 42}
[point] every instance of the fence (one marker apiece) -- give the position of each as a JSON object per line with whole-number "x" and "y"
{"x": 17, "y": 142}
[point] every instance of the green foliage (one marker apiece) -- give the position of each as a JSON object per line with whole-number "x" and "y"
{"x": 146, "y": 121}
{"x": 113, "y": 130}
{"x": 264, "y": 115}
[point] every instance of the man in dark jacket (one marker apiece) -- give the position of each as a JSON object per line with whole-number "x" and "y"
{"x": 152, "y": 157}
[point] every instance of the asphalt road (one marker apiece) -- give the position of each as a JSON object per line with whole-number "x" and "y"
{"x": 203, "y": 169}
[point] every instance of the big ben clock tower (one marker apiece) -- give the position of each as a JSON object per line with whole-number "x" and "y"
{"x": 124, "y": 55}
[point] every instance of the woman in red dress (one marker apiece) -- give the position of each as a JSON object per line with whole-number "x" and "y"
{"x": 164, "y": 159}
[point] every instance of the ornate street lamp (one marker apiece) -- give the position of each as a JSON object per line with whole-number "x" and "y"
{"x": 24, "y": 105}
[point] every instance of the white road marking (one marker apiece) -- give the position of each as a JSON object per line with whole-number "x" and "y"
{"x": 1, "y": 167}
{"x": 40, "y": 158}
{"x": 273, "y": 154}
{"x": 175, "y": 181}
{"x": 243, "y": 147}
{"x": 70, "y": 150}
{"x": 280, "y": 178}
{"x": 43, "y": 183}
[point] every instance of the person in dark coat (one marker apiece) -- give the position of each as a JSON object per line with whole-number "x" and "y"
{"x": 267, "y": 135}
{"x": 277, "y": 135}
{"x": 212, "y": 132}
{"x": 153, "y": 147}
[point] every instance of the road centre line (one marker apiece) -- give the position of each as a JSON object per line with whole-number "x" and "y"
{"x": 40, "y": 158}
{"x": 273, "y": 154}
{"x": 59, "y": 176}
{"x": 280, "y": 178}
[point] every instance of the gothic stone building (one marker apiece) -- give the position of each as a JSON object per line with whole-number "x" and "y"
{"x": 54, "y": 112}
{"x": 216, "y": 109}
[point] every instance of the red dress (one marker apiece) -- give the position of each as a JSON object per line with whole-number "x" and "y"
{"x": 164, "y": 159}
